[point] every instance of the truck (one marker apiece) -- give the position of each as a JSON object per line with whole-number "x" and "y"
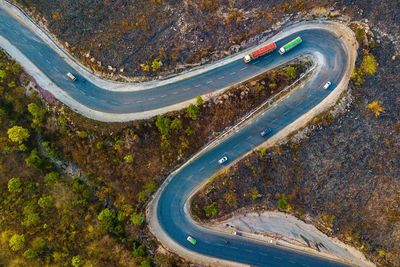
{"x": 289, "y": 46}
{"x": 259, "y": 52}
{"x": 71, "y": 76}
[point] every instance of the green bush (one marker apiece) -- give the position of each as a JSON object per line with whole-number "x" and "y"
{"x": 192, "y": 112}
{"x": 283, "y": 203}
{"x": 211, "y": 210}
{"x": 291, "y": 72}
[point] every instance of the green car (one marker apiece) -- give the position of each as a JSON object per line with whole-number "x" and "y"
{"x": 191, "y": 240}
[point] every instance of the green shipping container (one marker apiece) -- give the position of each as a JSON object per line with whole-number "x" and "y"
{"x": 295, "y": 42}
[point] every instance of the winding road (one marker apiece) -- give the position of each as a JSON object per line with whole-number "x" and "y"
{"x": 329, "y": 45}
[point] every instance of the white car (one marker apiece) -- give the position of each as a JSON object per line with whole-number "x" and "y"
{"x": 326, "y": 86}
{"x": 223, "y": 160}
{"x": 71, "y": 76}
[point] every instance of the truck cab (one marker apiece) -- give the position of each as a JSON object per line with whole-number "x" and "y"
{"x": 247, "y": 58}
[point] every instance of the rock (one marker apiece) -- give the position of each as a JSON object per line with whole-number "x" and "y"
{"x": 87, "y": 55}
{"x": 394, "y": 57}
{"x": 92, "y": 59}
{"x": 121, "y": 70}
{"x": 109, "y": 67}
{"x": 66, "y": 44}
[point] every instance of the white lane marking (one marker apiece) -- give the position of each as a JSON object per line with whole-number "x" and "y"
{"x": 249, "y": 137}
{"x": 286, "y": 112}
{"x": 139, "y": 101}
{"x": 175, "y": 92}
{"x": 190, "y": 177}
{"x": 237, "y": 145}
{"x": 232, "y": 73}
{"x": 220, "y": 78}
{"x": 163, "y": 96}
{"x": 293, "y": 262}
{"x": 248, "y": 250}
{"x": 151, "y": 98}
{"x": 243, "y": 68}
{"x": 274, "y": 120}
{"x": 186, "y": 89}
{"x": 275, "y": 257}
{"x": 256, "y": 62}
{"x": 202, "y": 168}
{"x": 208, "y": 82}
{"x": 197, "y": 85}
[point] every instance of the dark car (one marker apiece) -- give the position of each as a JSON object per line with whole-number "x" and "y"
{"x": 265, "y": 132}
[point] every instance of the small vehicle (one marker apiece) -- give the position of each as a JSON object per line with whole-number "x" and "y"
{"x": 223, "y": 160}
{"x": 326, "y": 86}
{"x": 236, "y": 233}
{"x": 71, "y": 76}
{"x": 191, "y": 240}
{"x": 265, "y": 132}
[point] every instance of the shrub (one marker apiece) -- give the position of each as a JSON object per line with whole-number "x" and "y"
{"x": 199, "y": 101}
{"x": 34, "y": 159}
{"x": 192, "y": 112}
{"x": 163, "y": 124}
{"x": 291, "y": 72}
{"x": 283, "y": 203}
{"x": 128, "y": 158}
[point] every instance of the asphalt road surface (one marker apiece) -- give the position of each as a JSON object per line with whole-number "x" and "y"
{"x": 327, "y": 50}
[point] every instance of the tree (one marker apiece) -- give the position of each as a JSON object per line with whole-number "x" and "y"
{"x": 163, "y": 124}
{"x": 376, "y": 108}
{"x": 291, "y": 72}
{"x": 199, "y": 101}
{"x": 192, "y": 112}
{"x": 145, "y": 263}
{"x": 34, "y": 159}
{"x": 37, "y": 113}
{"x": 14, "y": 185}
{"x": 150, "y": 187}
{"x": 107, "y": 217}
{"x": 52, "y": 178}
{"x": 368, "y": 65}
{"x": 137, "y": 219}
{"x": 17, "y": 242}
{"x": 139, "y": 251}
{"x": 18, "y": 134}
{"x": 77, "y": 261}
{"x": 45, "y": 202}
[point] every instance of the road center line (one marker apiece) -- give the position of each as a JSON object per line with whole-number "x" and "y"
{"x": 243, "y": 68}
{"x": 232, "y": 73}
{"x": 220, "y": 78}
{"x": 208, "y": 82}
{"x": 197, "y": 85}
